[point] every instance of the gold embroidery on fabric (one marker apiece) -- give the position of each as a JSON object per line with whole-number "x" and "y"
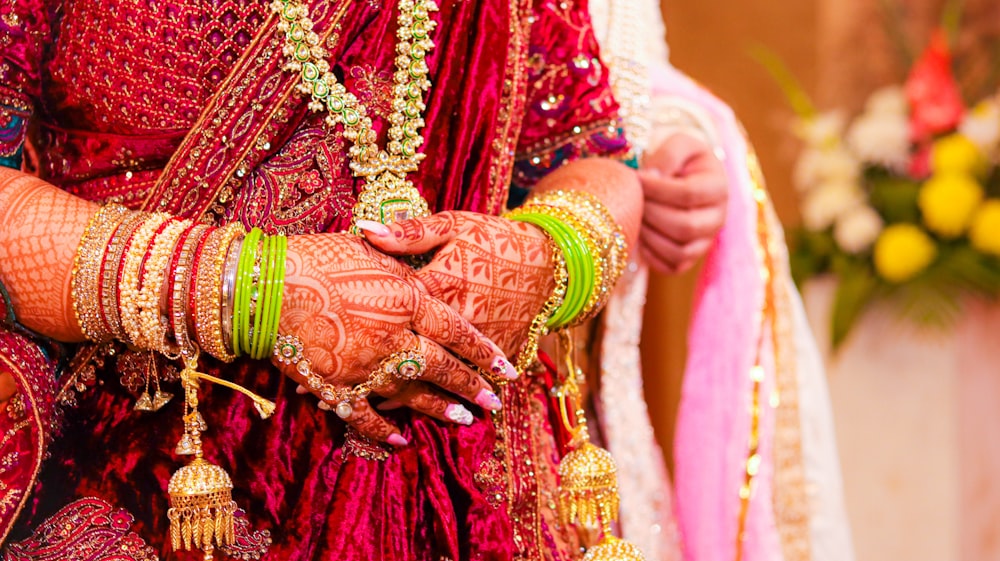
{"x": 356, "y": 444}
{"x": 791, "y": 500}
{"x": 512, "y": 105}
{"x": 31, "y": 394}
{"x": 87, "y": 529}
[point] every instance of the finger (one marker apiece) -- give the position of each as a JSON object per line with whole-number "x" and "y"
{"x": 684, "y": 225}
{"x": 368, "y": 423}
{"x": 693, "y": 191}
{"x": 678, "y": 257}
{"x": 412, "y": 237}
{"x": 655, "y": 262}
{"x": 447, "y": 372}
{"x": 432, "y": 402}
{"x": 441, "y": 324}
{"x": 356, "y": 412}
{"x": 680, "y": 154}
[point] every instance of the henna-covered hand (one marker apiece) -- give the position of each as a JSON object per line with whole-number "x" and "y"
{"x": 352, "y": 307}
{"x": 496, "y": 272}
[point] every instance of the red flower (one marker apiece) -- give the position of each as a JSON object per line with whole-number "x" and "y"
{"x": 935, "y": 100}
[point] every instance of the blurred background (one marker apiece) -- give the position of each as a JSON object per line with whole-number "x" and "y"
{"x": 917, "y": 409}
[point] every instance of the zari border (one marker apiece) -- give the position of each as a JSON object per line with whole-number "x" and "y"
{"x": 512, "y": 105}
{"x": 30, "y": 379}
{"x": 230, "y": 136}
{"x": 790, "y": 494}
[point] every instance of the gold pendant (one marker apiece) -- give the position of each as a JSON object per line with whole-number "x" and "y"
{"x": 388, "y": 197}
{"x": 144, "y": 403}
{"x": 160, "y": 399}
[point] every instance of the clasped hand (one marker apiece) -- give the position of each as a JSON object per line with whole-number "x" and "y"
{"x": 352, "y": 307}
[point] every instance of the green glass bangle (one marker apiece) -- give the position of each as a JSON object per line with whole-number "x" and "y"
{"x": 244, "y": 285}
{"x": 253, "y": 293}
{"x": 263, "y": 284}
{"x": 579, "y": 265}
{"x": 272, "y": 309}
{"x": 548, "y": 224}
{"x": 584, "y": 281}
{"x": 266, "y": 305}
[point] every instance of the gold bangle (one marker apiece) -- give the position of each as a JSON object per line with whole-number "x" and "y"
{"x": 128, "y": 296}
{"x": 85, "y": 278}
{"x": 109, "y": 273}
{"x": 208, "y": 291}
{"x": 586, "y": 213}
{"x": 153, "y": 325}
{"x": 529, "y": 352}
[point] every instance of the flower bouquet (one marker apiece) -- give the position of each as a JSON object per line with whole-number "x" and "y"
{"x": 903, "y": 201}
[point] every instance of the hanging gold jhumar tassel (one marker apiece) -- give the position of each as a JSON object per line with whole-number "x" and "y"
{"x": 201, "y": 499}
{"x": 588, "y": 476}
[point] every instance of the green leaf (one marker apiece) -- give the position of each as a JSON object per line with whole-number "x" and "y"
{"x": 895, "y": 198}
{"x": 856, "y": 287}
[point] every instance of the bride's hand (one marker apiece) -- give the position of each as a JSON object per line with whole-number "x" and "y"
{"x": 353, "y": 308}
{"x": 496, "y": 272}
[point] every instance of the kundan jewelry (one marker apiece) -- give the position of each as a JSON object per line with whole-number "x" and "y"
{"x": 388, "y": 194}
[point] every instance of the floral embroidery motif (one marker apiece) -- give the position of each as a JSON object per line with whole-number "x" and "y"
{"x": 85, "y": 530}
{"x": 490, "y": 481}
{"x": 374, "y": 88}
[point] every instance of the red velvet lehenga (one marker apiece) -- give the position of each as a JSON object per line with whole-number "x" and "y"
{"x": 182, "y": 106}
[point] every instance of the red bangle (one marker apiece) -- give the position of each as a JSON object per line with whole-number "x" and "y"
{"x": 175, "y": 260}
{"x": 192, "y": 293}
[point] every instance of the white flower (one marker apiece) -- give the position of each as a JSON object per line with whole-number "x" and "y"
{"x": 982, "y": 125}
{"x": 824, "y": 129}
{"x": 890, "y": 100}
{"x": 827, "y": 202}
{"x": 816, "y": 166}
{"x": 881, "y": 138}
{"x": 857, "y": 229}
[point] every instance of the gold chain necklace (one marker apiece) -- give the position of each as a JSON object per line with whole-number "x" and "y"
{"x": 388, "y": 195}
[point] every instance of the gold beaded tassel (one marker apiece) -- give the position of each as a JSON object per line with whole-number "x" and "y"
{"x": 588, "y": 476}
{"x": 201, "y": 499}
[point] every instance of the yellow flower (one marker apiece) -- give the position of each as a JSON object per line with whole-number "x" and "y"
{"x": 985, "y": 230}
{"x": 902, "y": 251}
{"x": 957, "y": 153}
{"x": 948, "y": 201}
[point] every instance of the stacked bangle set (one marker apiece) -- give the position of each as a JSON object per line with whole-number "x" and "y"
{"x": 170, "y": 285}
{"x": 588, "y": 254}
{"x": 591, "y": 245}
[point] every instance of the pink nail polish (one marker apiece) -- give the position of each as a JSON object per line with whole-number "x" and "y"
{"x": 301, "y": 390}
{"x": 376, "y": 228}
{"x": 488, "y": 400}
{"x": 397, "y": 440}
{"x": 459, "y": 414}
{"x": 503, "y": 367}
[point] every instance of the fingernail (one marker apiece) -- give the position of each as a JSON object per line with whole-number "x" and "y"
{"x": 376, "y": 228}
{"x": 459, "y": 414}
{"x": 488, "y": 400}
{"x": 397, "y": 440}
{"x": 388, "y": 405}
{"x": 300, "y": 389}
{"x": 323, "y": 405}
{"x": 503, "y": 367}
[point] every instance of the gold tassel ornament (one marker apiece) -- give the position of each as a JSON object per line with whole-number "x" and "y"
{"x": 588, "y": 475}
{"x": 202, "y": 508}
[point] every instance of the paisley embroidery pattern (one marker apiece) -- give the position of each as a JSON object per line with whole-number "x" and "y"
{"x": 85, "y": 530}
